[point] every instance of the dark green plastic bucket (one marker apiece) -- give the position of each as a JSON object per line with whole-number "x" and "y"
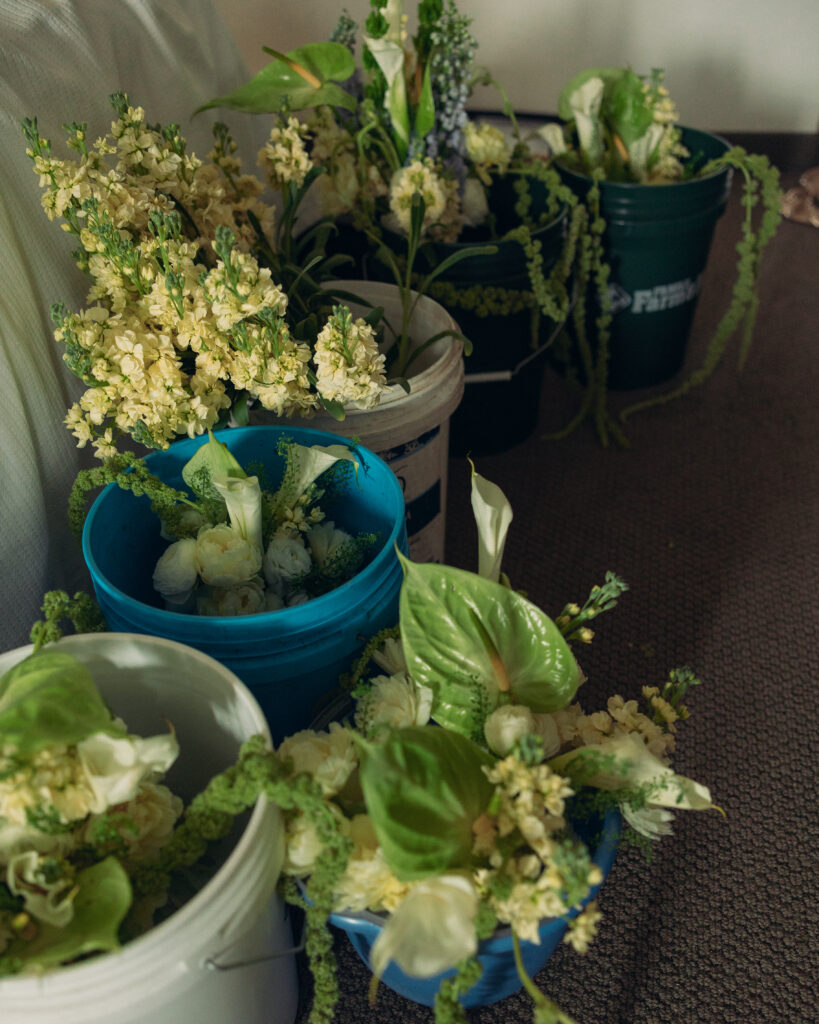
{"x": 505, "y": 370}
{"x": 657, "y": 242}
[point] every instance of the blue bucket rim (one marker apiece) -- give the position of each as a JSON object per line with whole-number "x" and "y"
{"x": 317, "y": 604}
{"x": 368, "y": 923}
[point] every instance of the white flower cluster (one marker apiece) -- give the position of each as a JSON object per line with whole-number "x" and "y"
{"x": 349, "y": 367}
{"x": 180, "y": 315}
{"x": 52, "y": 802}
{"x": 487, "y": 148}
{"x": 442, "y": 215}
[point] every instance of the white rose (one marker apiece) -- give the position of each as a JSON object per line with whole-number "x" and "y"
{"x": 224, "y": 557}
{"x": 474, "y": 207}
{"x": 286, "y": 559}
{"x": 506, "y": 726}
{"x": 546, "y": 728}
{"x": 329, "y": 757}
{"x": 396, "y": 702}
{"x": 115, "y": 766}
{"x": 176, "y": 571}
{"x": 246, "y": 598}
{"x": 326, "y": 541}
{"x": 432, "y": 929}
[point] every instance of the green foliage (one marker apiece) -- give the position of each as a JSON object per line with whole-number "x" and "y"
{"x": 448, "y": 1008}
{"x": 50, "y": 698}
{"x": 573, "y": 619}
{"x": 81, "y": 610}
{"x": 424, "y": 788}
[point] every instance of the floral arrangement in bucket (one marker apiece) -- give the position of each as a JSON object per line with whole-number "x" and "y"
{"x": 405, "y": 163}
{"x": 201, "y": 298}
{"x": 238, "y": 548}
{"x": 622, "y": 127}
{"x": 83, "y": 816}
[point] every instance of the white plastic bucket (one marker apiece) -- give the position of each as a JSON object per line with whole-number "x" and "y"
{"x": 184, "y": 970}
{"x": 409, "y": 431}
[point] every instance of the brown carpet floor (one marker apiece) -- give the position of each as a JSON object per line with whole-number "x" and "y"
{"x": 712, "y": 517}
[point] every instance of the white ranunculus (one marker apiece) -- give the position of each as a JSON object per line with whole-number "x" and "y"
{"x": 474, "y": 206}
{"x": 272, "y": 601}
{"x": 49, "y": 902}
{"x": 431, "y": 930}
{"x": 506, "y": 725}
{"x": 224, "y": 557}
{"x": 329, "y": 757}
{"x": 115, "y": 766}
{"x": 396, "y": 702}
{"x": 176, "y": 571}
{"x": 326, "y": 541}
{"x": 246, "y": 598}
{"x": 286, "y": 559}
{"x": 298, "y": 598}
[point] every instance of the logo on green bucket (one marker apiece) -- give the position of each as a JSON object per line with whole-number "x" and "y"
{"x": 656, "y": 299}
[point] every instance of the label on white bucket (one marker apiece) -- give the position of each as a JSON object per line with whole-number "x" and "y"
{"x": 419, "y": 466}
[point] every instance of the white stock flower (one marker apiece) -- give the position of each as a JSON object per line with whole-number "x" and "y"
{"x": 432, "y": 929}
{"x": 116, "y": 766}
{"x": 396, "y": 702}
{"x": 176, "y": 571}
{"x": 506, "y": 725}
{"x": 246, "y": 598}
{"x": 286, "y": 559}
{"x": 224, "y": 558}
{"x": 329, "y": 757}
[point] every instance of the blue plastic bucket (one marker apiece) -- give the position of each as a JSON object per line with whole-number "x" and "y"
{"x": 289, "y": 659}
{"x": 496, "y": 954}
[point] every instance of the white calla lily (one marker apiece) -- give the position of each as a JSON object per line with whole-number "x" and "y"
{"x": 243, "y": 497}
{"x": 585, "y": 104}
{"x": 309, "y": 463}
{"x": 552, "y": 135}
{"x": 493, "y": 516}
{"x": 431, "y": 930}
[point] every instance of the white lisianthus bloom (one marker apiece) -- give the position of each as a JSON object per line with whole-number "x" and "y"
{"x": 116, "y": 766}
{"x": 286, "y": 559}
{"x": 326, "y": 542}
{"x": 224, "y": 557}
{"x": 474, "y": 204}
{"x": 506, "y": 726}
{"x": 329, "y": 757}
{"x": 51, "y": 902}
{"x": 246, "y": 598}
{"x": 176, "y": 571}
{"x": 431, "y": 930}
{"x": 395, "y": 702}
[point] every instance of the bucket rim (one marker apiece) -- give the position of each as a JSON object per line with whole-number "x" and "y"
{"x": 377, "y": 567}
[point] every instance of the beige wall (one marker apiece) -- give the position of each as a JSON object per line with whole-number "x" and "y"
{"x": 730, "y": 64}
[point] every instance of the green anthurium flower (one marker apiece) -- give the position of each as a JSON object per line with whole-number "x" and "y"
{"x": 477, "y": 644}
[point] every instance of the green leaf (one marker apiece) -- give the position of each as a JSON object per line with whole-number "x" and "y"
{"x": 279, "y": 84}
{"x": 628, "y": 114}
{"x": 216, "y": 458}
{"x": 425, "y": 114}
{"x": 424, "y": 788}
{"x": 478, "y": 644}
{"x": 610, "y": 77}
{"x": 50, "y": 698}
{"x": 103, "y": 900}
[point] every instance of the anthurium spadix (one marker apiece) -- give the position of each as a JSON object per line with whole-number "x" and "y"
{"x": 493, "y": 516}
{"x": 477, "y": 644}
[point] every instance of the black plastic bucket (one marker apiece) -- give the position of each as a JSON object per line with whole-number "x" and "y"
{"x": 504, "y": 373}
{"x": 657, "y": 241}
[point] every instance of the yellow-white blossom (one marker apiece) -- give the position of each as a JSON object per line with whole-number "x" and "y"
{"x": 328, "y": 757}
{"x": 487, "y": 148}
{"x": 284, "y": 156}
{"x": 246, "y": 598}
{"x": 394, "y": 702}
{"x": 349, "y": 367}
{"x": 442, "y": 218}
{"x": 224, "y": 558}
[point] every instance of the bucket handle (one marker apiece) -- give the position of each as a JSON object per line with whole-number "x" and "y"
{"x": 499, "y": 375}
{"x": 213, "y": 964}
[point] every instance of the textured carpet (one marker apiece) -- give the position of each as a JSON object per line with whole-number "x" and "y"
{"x": 712, "y": 517}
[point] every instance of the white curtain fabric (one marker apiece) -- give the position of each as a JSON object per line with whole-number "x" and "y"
{"x": 59, "y": 61}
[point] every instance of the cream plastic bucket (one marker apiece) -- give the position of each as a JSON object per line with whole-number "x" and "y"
{"x": 409, "y": 431}
{"x": 225, "y": 955}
